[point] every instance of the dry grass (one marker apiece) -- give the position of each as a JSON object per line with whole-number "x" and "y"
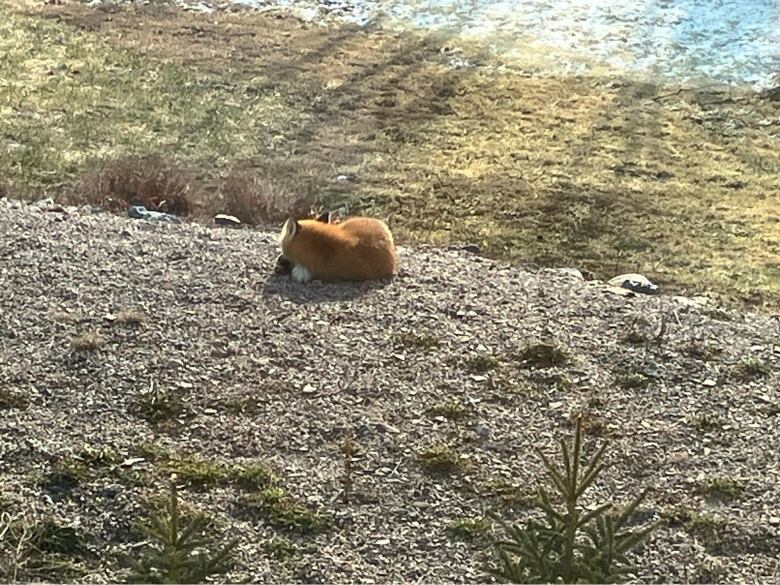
{"x": 542, "y": 355}
{"x": 89, "y": 341}
{"x": 258, "y": 200}
{"x": 65, "y": 316}
{"x": 131, "y": 317}
{"x": 155, "y": 182}
{"x": 610, "y": 176}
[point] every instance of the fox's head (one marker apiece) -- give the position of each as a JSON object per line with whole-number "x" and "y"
{"x": 292, "y": 227}
{"x": 289, "y": 230}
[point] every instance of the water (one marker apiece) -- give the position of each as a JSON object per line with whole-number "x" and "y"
{"x": 734, "y": 42}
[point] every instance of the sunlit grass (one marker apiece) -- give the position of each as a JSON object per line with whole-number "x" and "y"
{"x": 607, "y": 175}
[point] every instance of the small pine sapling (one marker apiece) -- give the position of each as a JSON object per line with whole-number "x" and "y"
{"x": 176, "y": 554}
{"x": 570, "y": 545}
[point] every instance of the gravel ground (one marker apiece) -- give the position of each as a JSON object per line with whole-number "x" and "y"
{"x": 273, "y": 371}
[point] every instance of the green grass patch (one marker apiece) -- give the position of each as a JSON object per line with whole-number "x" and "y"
{"x": 70, "y": 100}
{"x": 750, "y": 369}
{"x": 633, "y": 381}
{"x": 283, "y": 549}
{"x": 707, "y": 422}
{"x": 469, "y": 528}
{"x": 452, "y": 409}
{"x": 508, "y": 494}
{"x": 482, "y": 363}
{"x": 275, "y": 506}
{"x": 439, "y": 460}
{"x": 161, "y": 406}
{"x": 203, "y": 474}
{"x": 417, "y": 341}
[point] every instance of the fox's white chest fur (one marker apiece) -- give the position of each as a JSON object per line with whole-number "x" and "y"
{"x": 301, "y": 273}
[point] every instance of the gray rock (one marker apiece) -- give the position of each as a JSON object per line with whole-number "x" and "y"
{"x": 571, "y": 272}
{"x": 140, "y": 212}
{"x": 636, "y": 283}
{"x": 470, "y": 248}
{"x": 620, "y": 291}
{"x": 43, "y": 203}
{"x": 228, "y": 220}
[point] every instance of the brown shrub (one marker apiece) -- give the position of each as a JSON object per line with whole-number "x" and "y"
{"x": 249, "y": 196}
{"x": 152, "y": 181}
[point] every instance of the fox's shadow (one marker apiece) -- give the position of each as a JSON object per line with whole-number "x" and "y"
{"x": 316, "y": 291}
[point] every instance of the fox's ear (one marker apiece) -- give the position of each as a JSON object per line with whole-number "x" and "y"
{"x": 291, "y": 227}
{"x": 325, "y": 217}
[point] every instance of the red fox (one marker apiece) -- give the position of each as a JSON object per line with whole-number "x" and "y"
{"x": 358, "y": 248}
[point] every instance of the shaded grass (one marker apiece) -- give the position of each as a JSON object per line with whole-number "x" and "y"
{"x": 601, "y": 174}
{"x": 721, "y": 488}
{"x": 633, "y": 381}
{"x": 64, "y": 476}
{"x": 542, "y": 355}
{"x": 749, "y": 369}
{"x": 42, "y": 550}
{"x": 482, "y": 363}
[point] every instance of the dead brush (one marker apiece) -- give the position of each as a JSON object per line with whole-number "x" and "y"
{"x": 131, "y": 317}
{"x": 249, "y": 196}
{"x": 40, "y": 549}
{"x": 157, "y": 183}
{"x": 89, "y": 341}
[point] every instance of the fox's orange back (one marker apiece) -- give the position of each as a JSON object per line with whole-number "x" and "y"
{"x": 358, "y": 248}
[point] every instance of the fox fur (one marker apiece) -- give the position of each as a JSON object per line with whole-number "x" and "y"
{"x": 358, "y": 248}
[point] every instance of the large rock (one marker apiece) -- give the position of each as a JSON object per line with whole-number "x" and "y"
{"x": 228, "y": 220}
{"x": 140, "y": 212}
{"x": 636, "y": 283}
